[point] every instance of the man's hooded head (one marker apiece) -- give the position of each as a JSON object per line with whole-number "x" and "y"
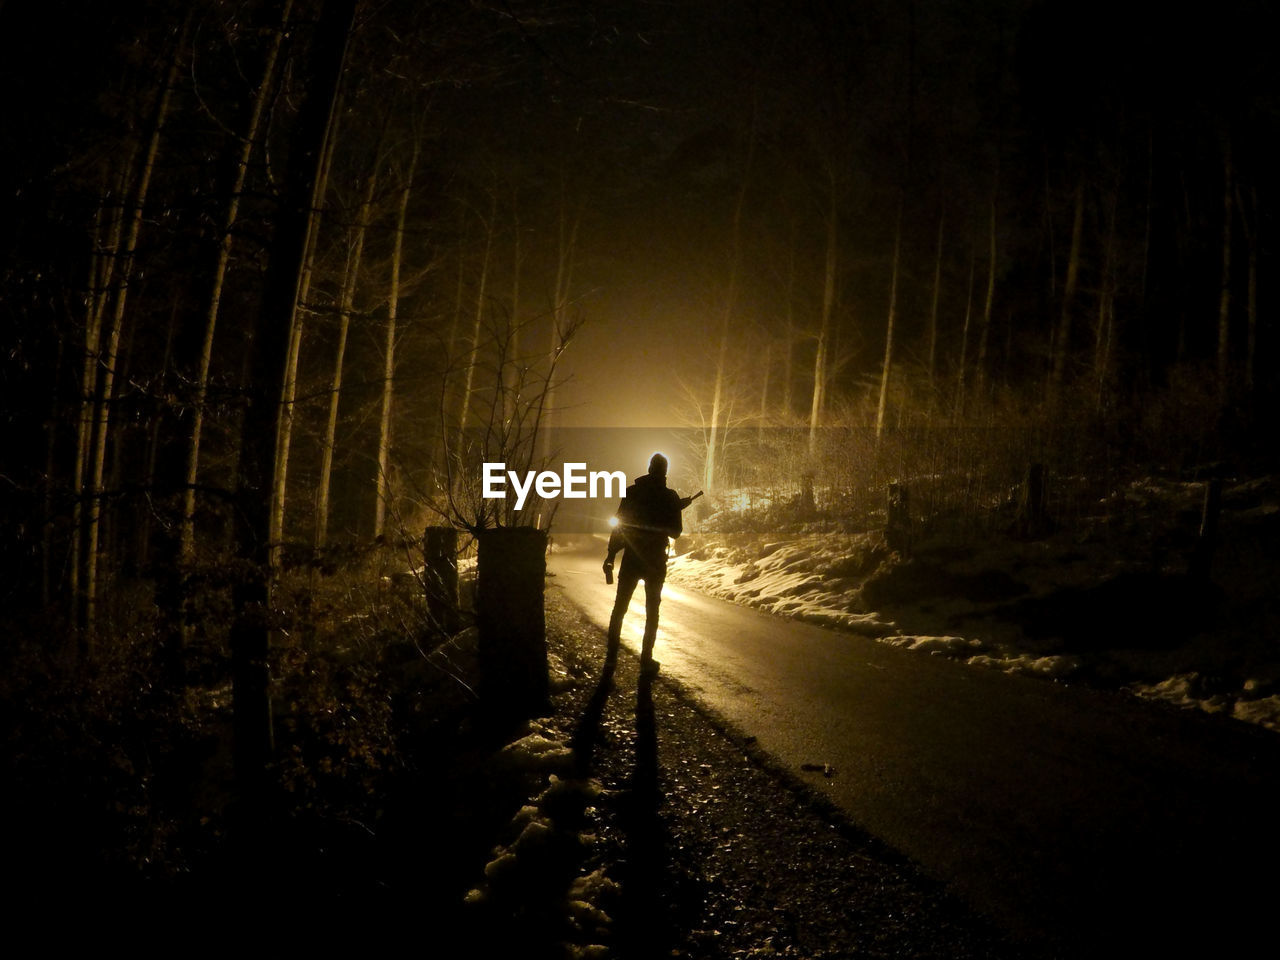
{"x": 658, "y": 465}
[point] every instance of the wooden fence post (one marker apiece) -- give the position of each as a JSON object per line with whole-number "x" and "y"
{"x": 1032, "y": 521}
{"x": 1203, "y": 552}
{"x": 440, "y": 577}
{"x": 897, "y": 530}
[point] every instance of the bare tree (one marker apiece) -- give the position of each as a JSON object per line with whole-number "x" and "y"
{"x": 820, "y": 363}
{"x": 389, "y": 351}
{"x": 346, "y": 306}
{"x": 730, "y": 307}
{"x": 889, "y": 325}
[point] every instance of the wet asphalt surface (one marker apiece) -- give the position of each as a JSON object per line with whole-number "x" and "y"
{"x": 1007, "y": 816}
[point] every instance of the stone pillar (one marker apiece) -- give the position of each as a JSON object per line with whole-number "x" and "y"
{"x": 510, "y": 576}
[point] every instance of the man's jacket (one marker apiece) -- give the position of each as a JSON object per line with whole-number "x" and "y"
{"x": 648, "y": 514}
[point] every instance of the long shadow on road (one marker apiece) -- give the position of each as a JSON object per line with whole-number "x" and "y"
{"x": 653, "y": 902}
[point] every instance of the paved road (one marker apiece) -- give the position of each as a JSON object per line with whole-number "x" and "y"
{"x": 1081, "y": 818}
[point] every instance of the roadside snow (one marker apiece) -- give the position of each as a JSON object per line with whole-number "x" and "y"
{"x": 1131, "y": 639}
{"x": 547, "y": 831}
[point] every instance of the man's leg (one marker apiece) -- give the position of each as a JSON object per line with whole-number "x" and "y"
{"x": 652, "y": 599}
{"x": 627, "y": 581}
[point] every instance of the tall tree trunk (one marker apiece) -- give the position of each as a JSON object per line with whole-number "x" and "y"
{"x": 1250, "y": 222}
{"x": 143, "y": 527}
{"x": 933, "y": 313}
{"x": 1104, "y": 335}
{"x": 714, "y": 439}
{"x": 1061, "y": 344}
{"x": 566, "y": 247}
{"x": 47, "y": 525}
{"x": 889, "y": 324}
{"x": 106, "y": 384}
{"x": 984, "y": 335}
{"x": 103, "y": 257}
{"x": 187, "y": 534}
{"x": 962, "y": 369}
{"x": 764, "y": 391}
{"x": 511, "y": 389}
{"x": 389, "y": 355}
{"x": 272, "y": 332}
{"x": 789, "y": 353}
{"x": 298, "y": 323}
{"x": 1224, "y": 298}
{"x": 482, "y": 292}
{"x": 346, "y": 304}
{"x": 824, "y": 320}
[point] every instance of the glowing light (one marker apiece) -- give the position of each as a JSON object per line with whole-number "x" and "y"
{"x": 613, "y": 521}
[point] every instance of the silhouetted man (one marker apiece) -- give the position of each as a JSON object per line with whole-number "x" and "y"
{"x": 648, "y": 515}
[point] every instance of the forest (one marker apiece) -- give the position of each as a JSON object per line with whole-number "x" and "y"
{"x": 278, "y": 276}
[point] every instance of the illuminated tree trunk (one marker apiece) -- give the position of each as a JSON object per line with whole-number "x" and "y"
{"x": 984, "y": 335}
{"x": 824, "y": 323}
{"x": 933, "y": 314}
{"x": 962, "y": 369}
{"x": 566, "y": 247}
{"x": 272, "y": 329}
{"x": 225, "y": 245}
{"x": 511, "y": 388}
{"x": 346, "y": 304}
{"x": 106, "y": 385}
{"x": 789, "y": 354}
{"x": 297, "y": 326}
{"x": 102, "y": 262}
{"x": 889, "y": 325}
{"x": 482, "y": 293}
{"x": 726, "y": 318}
{"x": 389, "y": 356}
